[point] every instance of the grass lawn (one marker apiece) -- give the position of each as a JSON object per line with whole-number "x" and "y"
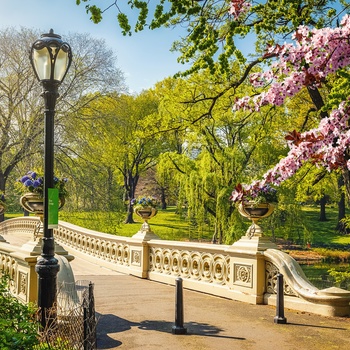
{"x": 324, "y": 233}
{"x": 169, "y": 225}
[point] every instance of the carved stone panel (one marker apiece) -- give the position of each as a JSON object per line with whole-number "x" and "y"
{"x": 136, "y": 257}
{"x": 193, "y": 265}
{"x": 271, "y": 281}
{"x": 22, "y": 284}
{"x": 243, "y": 275}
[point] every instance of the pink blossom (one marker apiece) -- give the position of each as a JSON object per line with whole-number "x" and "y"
{"x": 316, "y": 53}
{"x": 237, "y": 7}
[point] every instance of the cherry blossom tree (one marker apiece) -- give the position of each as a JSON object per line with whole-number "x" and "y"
{"x": 315, "y": 55}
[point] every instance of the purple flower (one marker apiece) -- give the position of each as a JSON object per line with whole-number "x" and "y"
{"x": 37, "y": 183}
{"x": 24, "y": 179}
{"x": 28, "y": 183}
{"x": 33, "y": 182}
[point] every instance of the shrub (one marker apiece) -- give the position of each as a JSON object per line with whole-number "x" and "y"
{"x": 18, "y": 327}
{"x": 341, "y": 278}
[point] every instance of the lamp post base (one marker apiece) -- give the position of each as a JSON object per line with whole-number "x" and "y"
{"x": 47, "y": 269}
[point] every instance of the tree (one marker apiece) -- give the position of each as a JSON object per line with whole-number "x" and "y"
{"x": 214, "y": 28}
{"x": 121, "y": 141}
{"x": 317, "y": 55}
{"x": 21, "y": 122}
{"x": 215, "y": 152}
{"x": 21, "y": 106}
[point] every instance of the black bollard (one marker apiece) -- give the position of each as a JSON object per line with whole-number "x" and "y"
{"x": 279, "y": 318}
{"x": 179, "y": 309}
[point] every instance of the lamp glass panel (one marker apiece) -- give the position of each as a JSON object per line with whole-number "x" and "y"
{"x": 42, "y": 63}
{"x": 61, "y": 65}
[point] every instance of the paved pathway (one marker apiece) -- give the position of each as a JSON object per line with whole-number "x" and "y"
{"x": 138, "y": 314}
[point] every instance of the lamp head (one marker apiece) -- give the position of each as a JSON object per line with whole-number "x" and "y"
{"x": 51, "y": 58}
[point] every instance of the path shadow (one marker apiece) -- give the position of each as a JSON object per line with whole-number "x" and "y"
{"x": 110, "y": 324}
{"x": 316, "y": 326}
{"x": 193, "y": 328}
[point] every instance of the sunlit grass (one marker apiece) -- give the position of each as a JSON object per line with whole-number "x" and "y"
{"x": 342, "y": 240}
{"x": 167, "y": 224}
{"x": 322, "y": 232}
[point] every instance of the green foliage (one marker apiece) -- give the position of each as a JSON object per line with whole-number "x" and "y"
{"x": 324, "y": 275}
{"x": 124, "y": 24}
{"x": 143, "y": 7}
{"x": 340, "y": 89}
{"x": 213, "y": 151}
{"x": 56, "y": 344}
{"x": 213, "y": 33}
{"x": 311, "y": 183}
{"x": 288, "y": 222}
{"x": 18, "y": 328}
{"x": 95, "y": 11}
{"x": 340, "y": 277}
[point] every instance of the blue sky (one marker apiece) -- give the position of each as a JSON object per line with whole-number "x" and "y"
{"x": 144, "y": 57}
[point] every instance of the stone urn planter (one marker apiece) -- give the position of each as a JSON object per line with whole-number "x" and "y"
{"x": 145, "y": 213}
{"x": 34, "y": 203}
{"x": 255, "y": 212}
{"x": 145, "y": 233}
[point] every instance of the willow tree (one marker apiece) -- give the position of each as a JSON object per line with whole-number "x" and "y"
{"x": 216, "y": 152}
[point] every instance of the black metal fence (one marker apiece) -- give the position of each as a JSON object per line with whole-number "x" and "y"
{"x": 75, "y": 325}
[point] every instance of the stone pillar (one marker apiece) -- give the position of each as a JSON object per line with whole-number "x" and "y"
{"x": 139, "y": 251}
{"x": 247, "y": 268}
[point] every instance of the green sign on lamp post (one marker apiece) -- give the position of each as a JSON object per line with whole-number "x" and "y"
{"x": 53, "y": 208}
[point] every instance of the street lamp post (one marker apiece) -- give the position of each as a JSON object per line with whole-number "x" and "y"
{"x": 51, "y": 58}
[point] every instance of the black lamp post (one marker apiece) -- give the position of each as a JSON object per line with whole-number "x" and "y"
{"x": 51, "y": 58}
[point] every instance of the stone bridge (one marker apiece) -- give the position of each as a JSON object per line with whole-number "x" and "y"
{"x": 245, "y": 271}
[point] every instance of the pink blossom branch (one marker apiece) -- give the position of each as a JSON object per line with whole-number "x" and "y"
{"x": 316, "y": 54}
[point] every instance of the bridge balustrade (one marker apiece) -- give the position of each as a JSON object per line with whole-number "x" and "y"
{"x": 245, "y": 271}
{"x": 17, "y": 263}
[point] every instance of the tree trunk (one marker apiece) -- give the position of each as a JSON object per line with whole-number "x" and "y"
{"x": 323, "y": 202}
{"x": 341, "y": 227}
{"x": 214, "y": 238}
{"x": 2, "y": 190}
{"x": 130, "y": 183}
{"x": 163, "y": 198}
{"x": 346, "y": 178}
{"x": 129, "y": 215}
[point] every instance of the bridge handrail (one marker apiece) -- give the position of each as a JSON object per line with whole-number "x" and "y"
{"x": 297, "y": 282}
{"x": 23, "y": 224}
